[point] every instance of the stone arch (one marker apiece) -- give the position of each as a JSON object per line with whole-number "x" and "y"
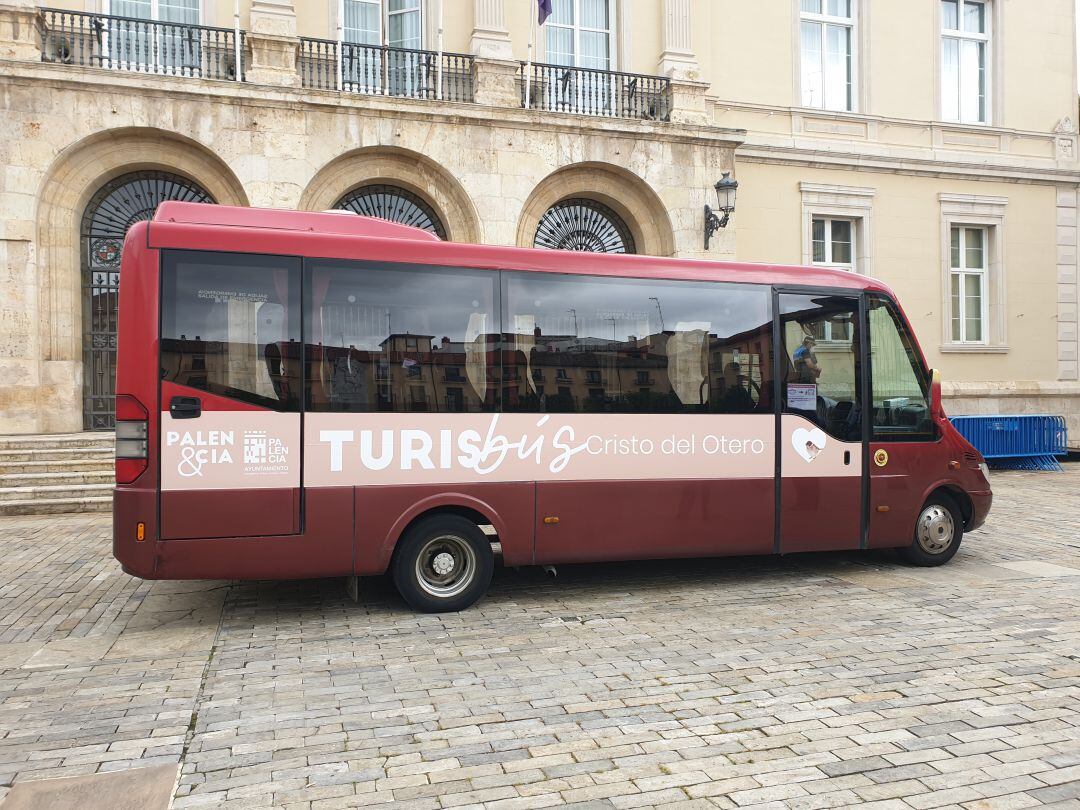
{"x": 619, "y": 189}
{"x": 393, "y": 166}
{"x": 74, "y": 177}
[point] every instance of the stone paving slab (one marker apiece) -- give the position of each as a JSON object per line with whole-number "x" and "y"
{"x": 134, "y": 789}
{"x": 806, "y": 681}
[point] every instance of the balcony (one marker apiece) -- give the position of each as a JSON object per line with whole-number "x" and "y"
{"x": 586, "y": 91}
{"x": 265, "y": 58}
{"x": 384, "y": 71}
{"x": 141, "y": 46}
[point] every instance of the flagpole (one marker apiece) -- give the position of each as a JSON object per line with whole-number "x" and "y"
{"x": 340, "y": 23}
{"x": 238, "y": 73}
{"x": 439, "y": 79}
{"x": 528, "y": 65}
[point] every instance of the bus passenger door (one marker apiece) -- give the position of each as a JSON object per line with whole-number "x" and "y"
{"x": 230, "y": 395}
{"x": 821, "y": 422}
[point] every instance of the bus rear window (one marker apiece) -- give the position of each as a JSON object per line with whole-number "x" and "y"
{"x": 230, "y": 325}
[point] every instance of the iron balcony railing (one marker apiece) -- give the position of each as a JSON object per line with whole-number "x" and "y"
{"x": 143, "y": 46}
{"x": 385, "y": 71}
{"x": 587, "y": 91}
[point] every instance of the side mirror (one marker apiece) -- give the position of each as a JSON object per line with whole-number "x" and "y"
{"x": 936, "y": 411}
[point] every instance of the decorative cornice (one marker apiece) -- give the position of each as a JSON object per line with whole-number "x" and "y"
{"x": 110, "y": 83}
{"x": 792, "y": 156}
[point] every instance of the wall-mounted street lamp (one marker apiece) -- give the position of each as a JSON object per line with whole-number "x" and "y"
{"x": 726, "y": 189}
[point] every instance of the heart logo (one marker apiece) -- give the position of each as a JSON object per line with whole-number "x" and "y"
{"x": 808, "y": 443}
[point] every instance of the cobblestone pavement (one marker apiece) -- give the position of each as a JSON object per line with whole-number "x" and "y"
{"x": 802, "y": 682}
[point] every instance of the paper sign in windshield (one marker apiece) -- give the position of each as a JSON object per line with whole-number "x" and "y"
{"x": 802, "y": 396}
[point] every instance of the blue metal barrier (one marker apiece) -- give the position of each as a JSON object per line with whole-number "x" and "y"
{"x": 1015, "y": 442}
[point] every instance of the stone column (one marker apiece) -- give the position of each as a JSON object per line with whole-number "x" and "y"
{"x": 273, "y": 44}
{"x": 677, "y": 59}
{"x": 490, "y": 36}
{"x": 20, "y": 34}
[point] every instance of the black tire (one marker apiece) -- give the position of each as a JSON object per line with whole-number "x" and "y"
{"x": 936, "y": 538}
{"x": 443, "y": 564}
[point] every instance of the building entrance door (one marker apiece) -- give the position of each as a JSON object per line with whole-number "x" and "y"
{"x": 117, "y": 206}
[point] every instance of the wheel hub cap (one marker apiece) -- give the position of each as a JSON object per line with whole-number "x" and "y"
{"x": 935, "y": 530}
{"x": 445, "y": 566}
{"x": 443, "y": 563}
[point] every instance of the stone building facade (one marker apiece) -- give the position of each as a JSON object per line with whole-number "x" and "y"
{"x": 640, "y": 114}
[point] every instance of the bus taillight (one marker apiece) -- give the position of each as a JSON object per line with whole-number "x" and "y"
{"x": 132, "y": 439}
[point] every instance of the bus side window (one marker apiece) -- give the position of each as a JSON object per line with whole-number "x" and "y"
{"x": 899, "y": 382}
{"x": 397, "y": 337}
{"x": 230, "y": 325}
{"x": 585, "y": 344}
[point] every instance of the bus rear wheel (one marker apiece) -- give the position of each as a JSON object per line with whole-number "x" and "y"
{"x": 444, "y": 563}
{"x": 938, "y": 532}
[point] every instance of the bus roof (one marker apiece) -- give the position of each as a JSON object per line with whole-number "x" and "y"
{"x": 343, "y": 222}
{"x": 332, "y": 235}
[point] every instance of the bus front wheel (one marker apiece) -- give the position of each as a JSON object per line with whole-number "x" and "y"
{"x": 938, "y": 532}
{"x": 443, "y": 563}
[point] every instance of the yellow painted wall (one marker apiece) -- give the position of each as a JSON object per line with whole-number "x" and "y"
{"x": 748, "y": 52}
{"x": 906, "y": 254}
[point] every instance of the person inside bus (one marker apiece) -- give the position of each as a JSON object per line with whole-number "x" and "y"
{"x": 736, "y": 397}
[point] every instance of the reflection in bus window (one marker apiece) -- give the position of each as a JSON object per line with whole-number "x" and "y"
{"x": 588, "y": 344}
{"x": 899, "y": 381}
{"x": 821, "y": 378}
{"x": 384, "y": 337}
{"x": 230, "y": 326}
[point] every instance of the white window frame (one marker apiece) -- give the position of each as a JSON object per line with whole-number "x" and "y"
{"x": 961, "y": 36}
{"x": 155, "y": 16}
{"x": 829, "y": 262}
{"x": 613, "y": 51}
{"x": 384, "y": 20}
{"x": 833, "y": 265}
{"x": 962, "y": 273}
{"x": 382, "y": 26}
{"x": 824, "y": 20}
{"x": 829, "y": 202}
{"x": 822, "y": 201}
{"x": 976, "y": 211}
{"x": 606, "y": 88}
{"x": 387, "y": 14}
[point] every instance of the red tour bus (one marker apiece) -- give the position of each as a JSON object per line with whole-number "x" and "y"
{"x": 315, "y": 395}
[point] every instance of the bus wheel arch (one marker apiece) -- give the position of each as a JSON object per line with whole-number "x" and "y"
{"x": 958, "y": 496}
{"x": 465, "y": 506}
{"x": 443, "y": 561}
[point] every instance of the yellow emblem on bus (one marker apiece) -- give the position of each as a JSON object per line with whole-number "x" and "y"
{"x": 881, "y": 458}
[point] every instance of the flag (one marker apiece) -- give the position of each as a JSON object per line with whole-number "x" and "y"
{"x": 544, "y": 11}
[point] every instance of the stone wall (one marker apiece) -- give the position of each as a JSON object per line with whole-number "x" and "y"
{"x": 489, "y": 172}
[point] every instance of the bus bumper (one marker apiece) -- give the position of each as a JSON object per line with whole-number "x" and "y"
{"x": 980, "y": 508}
{"x": 130, "y": 508}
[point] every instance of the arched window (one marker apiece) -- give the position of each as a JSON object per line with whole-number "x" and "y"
{"x": 586, "y": 225}
{"x": 395, "y": 204}
{"x": 117, "y": 206}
